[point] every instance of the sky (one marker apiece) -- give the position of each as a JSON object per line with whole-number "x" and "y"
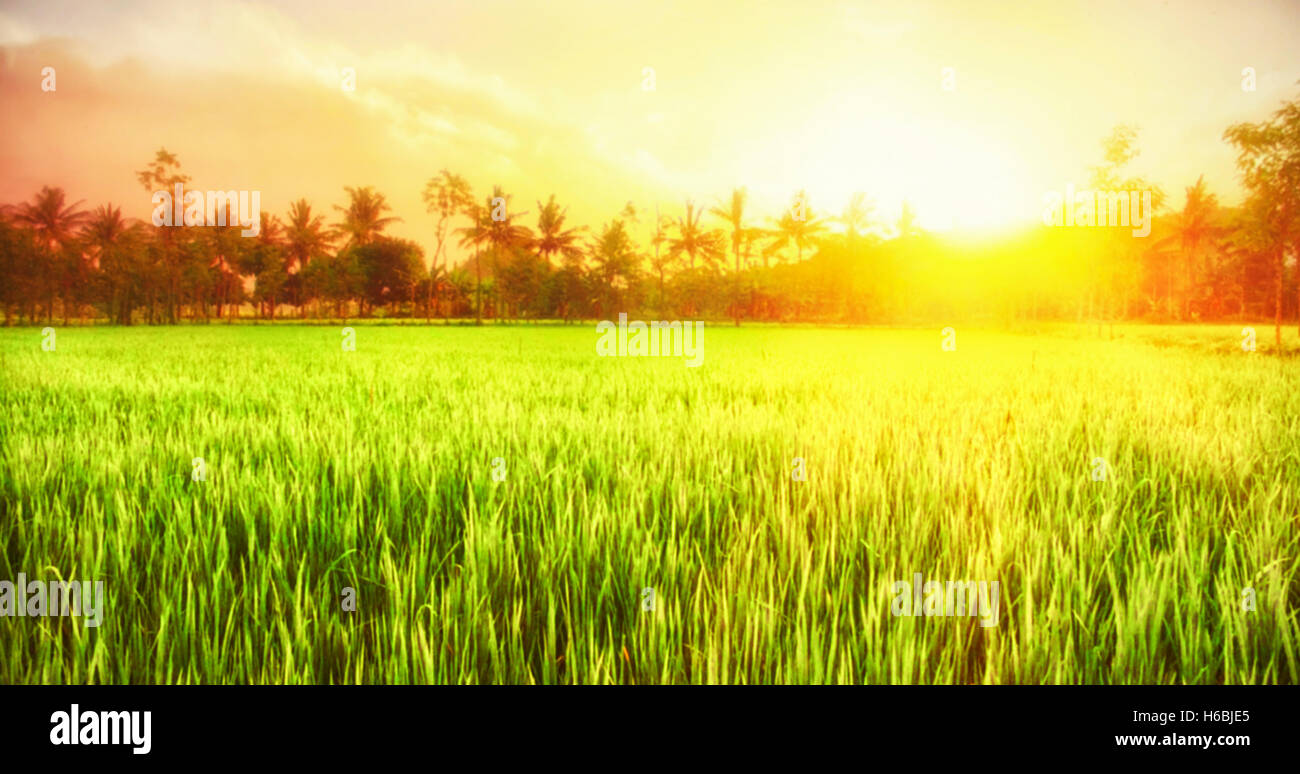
{"x": 606, "y": 102}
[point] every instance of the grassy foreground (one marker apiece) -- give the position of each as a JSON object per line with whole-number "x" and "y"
{"x": 373, "y": 470}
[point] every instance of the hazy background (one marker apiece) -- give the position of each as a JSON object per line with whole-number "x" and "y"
{"x": 547, "y": 97}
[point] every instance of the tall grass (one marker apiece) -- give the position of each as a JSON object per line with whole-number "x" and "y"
{"x": 373, "y": 470}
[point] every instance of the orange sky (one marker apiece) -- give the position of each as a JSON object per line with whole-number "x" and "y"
{"x": 546, "y": 97}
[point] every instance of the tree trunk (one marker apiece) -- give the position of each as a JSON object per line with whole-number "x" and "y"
{"x": 661, "y": 291}
{"x": 1277, "y": 300}
{"x": 737, "y": 251}
{"x": 478, "y": 290}
{"x": 433, "y": 291}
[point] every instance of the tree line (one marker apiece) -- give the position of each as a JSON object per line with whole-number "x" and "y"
{"x": 1203, "y": 262}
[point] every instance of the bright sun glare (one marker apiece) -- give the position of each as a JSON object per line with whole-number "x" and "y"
{"x": 953, "y": 177}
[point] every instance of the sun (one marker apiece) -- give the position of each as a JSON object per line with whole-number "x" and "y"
{"x": 952, "y": 175}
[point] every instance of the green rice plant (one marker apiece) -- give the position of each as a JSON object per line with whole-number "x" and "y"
{"x": 373, "y": 471}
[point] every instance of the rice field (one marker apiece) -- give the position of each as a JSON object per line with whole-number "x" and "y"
{"x": 350, "y": 527}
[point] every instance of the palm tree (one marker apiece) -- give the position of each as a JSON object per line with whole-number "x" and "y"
{"x": 50, "y": 218}
{"x": 1193, "y": 226}
{"x": 552, "y": 237}
{"x": 476, "y": 236}
{"x": 661, "y": 262}
{"x": 734, "y": 214}
{"x": 305, "y": 237}
{"x": 498, "y": 235}
{"x": 753, "y": 237}
{"x": 104, "y": 229}
{"x": 264, "y": 259}
{"x": 907, "y": 226}
{"x": 53, "y": 223}
{"x": 856, "y": 218}
{"x": 797, "y": 226}
{"x": 695, "y": 241}
{"x": 445, "y": 195}
{"x": 363, "y": 218}
{"x": 106, "y": 233}
{"x": 226, "y": 247}
{"x": 615, "y": 259}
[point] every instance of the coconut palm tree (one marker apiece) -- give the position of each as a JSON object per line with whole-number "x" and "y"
{"x": 695, "y": 241}
{"x": 305, "y": 235}
{"x": 104, "y": 230}
{"x": 492, "y": 228}
{"x": 614, "y": 256}
{"x": 797, "y": 226}
{"x": 363, "y": 218}
{"x": 1193, "y": 227}
{"x": 907, "y": 226}
{"x": 552, "y": 237}
{"x": 305, "y": 238}
{"x": 108, "y": 235}
{"x": 476, "y": 237}
{"x": 734, "y": 214}
{"x": 856, "y": 218}
{"x": 53, "y": 223}
{"x": 661, "y": 261}
{"x": 264, "y": 259}
{"x": 50, "y": 218}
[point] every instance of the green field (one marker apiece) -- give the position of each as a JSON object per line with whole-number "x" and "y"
{"x": 373, "y": 470}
